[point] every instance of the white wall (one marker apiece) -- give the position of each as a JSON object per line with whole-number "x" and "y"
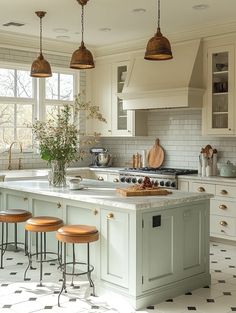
{"x": 180, "y": 135}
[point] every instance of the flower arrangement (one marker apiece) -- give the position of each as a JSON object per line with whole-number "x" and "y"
{"x": 60, "y": 139}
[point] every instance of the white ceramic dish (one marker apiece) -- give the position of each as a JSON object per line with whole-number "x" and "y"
{"x": 76, "y": 187}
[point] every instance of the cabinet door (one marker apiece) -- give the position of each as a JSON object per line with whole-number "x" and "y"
{"x": 16, "y": 200}
{"x": 193, "y": 238}
{"x": 48, "y": 206}
{"x": 99, "y": 92}
{"x": 114, "y": 247}
{"x": 220, "y": 94}
{"x": 121, "y": 119}
{"x": 161, "y": 246}
{"x": 85, "y": 215}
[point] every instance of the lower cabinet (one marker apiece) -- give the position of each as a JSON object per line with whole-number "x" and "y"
{"x": 45, "y": 206}
{"x": 222, "y": 205}
{"x": 115, "y": 247}
{"x": 159, "y": 255}
{"x": 175, "y": 250}
{"x": 15, "y": 200}
{"x": 87, "y": 215}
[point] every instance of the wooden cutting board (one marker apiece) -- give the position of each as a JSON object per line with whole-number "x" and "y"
{"x": 127, "y": 192}
{"x": 156, "y": 155}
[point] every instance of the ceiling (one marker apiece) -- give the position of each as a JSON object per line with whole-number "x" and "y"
{"x": 176, "y": 16}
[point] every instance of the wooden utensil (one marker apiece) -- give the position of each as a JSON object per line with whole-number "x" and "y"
{"x": 156, "y": 155}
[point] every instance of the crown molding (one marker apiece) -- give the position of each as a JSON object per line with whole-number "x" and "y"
{"x": 205, "y": 32}
{"x": 52, "y": 46}
{"x": 31, "y": 43}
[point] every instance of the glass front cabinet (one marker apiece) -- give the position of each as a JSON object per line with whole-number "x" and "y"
{"x": 121, "y": 119}
{"x": 220, "y": 94}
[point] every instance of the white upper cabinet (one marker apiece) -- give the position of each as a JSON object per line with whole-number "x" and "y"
{"x": 219, "y": 113}
{"x": 103, "y": 86}
{"x": 98, "y": 91}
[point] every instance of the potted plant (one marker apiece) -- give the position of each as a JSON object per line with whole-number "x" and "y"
{"x": 60, "y": 141}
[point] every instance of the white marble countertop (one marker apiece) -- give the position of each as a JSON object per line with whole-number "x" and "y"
{"x": 104, "y": 194}
{"x": 212, "y": 179}
{"x": 42, "y": 173}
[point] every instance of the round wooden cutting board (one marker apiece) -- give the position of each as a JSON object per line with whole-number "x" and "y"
{"x": 156, "y": 155}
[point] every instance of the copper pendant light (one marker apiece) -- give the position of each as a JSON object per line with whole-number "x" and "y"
{"x": 158, "y": 47}
{"x": 82, "y": 58}
{"x": 40, "y": 67}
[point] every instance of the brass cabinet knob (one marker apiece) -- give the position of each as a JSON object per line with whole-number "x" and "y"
{"x": 222, "y": 207}
{"x": 100, "y": 178}
{"x": 95, "y": 211}
{"x": 115, "y": 180}
{"x": 201, "y": 189}
{"x": 224, "y": 192}
{"x": 58, "y": 205}
{"x": 25, "y": 198}
{"x": 110, "y": 215}
{"x": 223, "y": 223}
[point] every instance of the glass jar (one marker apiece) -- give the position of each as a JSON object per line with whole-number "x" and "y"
{"x": 58, "y": 173}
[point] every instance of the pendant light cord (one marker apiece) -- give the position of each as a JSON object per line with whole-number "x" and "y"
{"x": 41, "y": 33}
{"x": 82, "y": 23}
{"x": 159, "y": 13}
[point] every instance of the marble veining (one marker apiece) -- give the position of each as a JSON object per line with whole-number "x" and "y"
{"x": 104, "y": 193}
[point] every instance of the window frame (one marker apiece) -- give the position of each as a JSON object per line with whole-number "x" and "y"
{"x": 38, "y": 100}
{"x": 20, "y": 100}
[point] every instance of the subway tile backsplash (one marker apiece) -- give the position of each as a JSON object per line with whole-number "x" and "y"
{"x": 180, "y": 135}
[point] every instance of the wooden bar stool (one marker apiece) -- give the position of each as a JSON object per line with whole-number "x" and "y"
{"x": 76, "y": 234}
{"x": 13, "y": 216}
{"x": 41, "y": 225}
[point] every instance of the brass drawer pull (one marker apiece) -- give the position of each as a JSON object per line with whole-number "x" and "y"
{"x": 25, "y": 198}
{"x": 100, "y": 178}
{"x": 201, "y": 189}
{"x": 222, "y": 207}
{"x": 58, "y": 205}
{"x": 223, "y": 223}
{"x": 95, "y": 211}
{"x": 224, "y": 192}
{"x": 115, "y": 180}
{"x": 110, "y": 216}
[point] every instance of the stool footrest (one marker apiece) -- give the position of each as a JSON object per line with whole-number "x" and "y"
{"x": 91, "y": 268}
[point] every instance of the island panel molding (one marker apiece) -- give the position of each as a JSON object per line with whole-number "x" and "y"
{"x": 150, "y": 248}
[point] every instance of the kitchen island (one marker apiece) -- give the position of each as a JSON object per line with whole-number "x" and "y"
{"x": 150, "y": 248}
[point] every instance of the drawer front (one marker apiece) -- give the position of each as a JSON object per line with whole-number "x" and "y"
{"x": 223, "y": 207}
{"x": 202, "y": 187}
{"x": 221, "y": 225}
{"x": 226, "y": 191}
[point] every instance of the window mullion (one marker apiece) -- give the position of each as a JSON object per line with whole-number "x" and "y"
{"x": 59, "y": 87}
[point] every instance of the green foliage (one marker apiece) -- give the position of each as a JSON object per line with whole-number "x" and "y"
{"x": 59, "y": 138}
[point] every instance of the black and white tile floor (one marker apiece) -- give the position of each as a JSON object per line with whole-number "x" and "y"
{"x": 17, "y": 296}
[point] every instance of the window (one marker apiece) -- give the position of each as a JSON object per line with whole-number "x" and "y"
{"x": 17, "y": 103}
{"x": 20, "y": 103}
{"x": 59, "y": 89}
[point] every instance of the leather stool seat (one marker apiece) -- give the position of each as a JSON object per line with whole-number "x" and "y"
{"x": 14, "y": 216}
{"x": 77, "y": 234}
{"x": 43, "y": 224}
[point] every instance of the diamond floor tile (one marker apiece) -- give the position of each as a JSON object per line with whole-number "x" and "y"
{"x": 18, "y": 296}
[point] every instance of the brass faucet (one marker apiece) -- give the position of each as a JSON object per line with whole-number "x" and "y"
{"x": 10, "y": 155}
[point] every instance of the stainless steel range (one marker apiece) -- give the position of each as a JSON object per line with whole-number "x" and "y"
{"x": 163, "y": 177}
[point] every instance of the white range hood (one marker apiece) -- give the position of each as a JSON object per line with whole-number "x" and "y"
{"x": 177, "y": 83}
